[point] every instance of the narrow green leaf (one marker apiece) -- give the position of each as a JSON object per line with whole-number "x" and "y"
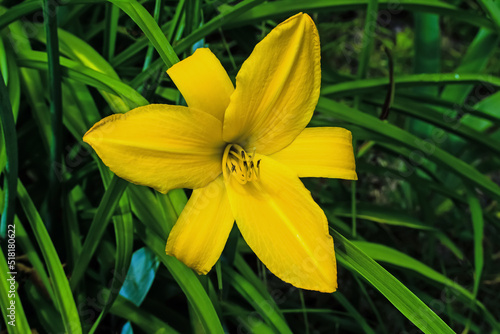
{"x": 50, "y": 9}
{"x": 400, "y": 136}
{"x": 478, "y": 229}
{"x": 27, "y": 246}
{"x": 257, "y": 300}
{"x": 353, "y": 312}
{"x": 209, "y": 27}
{"x": 382, "y": 215}
{"x": 247, "y": 318}
{"x": 98, "y": 226}
{"x": 18, "y": 11}
{"x": 475, "y": 60}
{"x": 491, "y": 7}
{"x": 33, "y": 89}
{"x": 283, "y": 8}
{"x": 10, "y": 141}
{"x": 397, "y": 293}
{"x": 188, "y": 282}
{"x": 143, "y": 319}
{"x": 390, "y": 255}
{"x": 112, "y": 15}
{"x": 386, "y": 254}
{"x": 372, "y": 85}
{"x": 124, "y": 235}
{"x": 434, "y": 116}
{"x": 427, "y": 59}
{"x": 83, "y": 74}
{"x": 78, "y": 50}
{"x": 368, "y": 38}
{"x": 64, "y": 298}
{"x": 12, "y": 308}
{"x": 148, "y": 25}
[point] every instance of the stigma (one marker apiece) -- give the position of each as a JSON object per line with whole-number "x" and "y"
{"x": 239, "y": 164}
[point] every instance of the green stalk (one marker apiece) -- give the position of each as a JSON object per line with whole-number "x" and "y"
{"x": 11, "y": 168}
{"x": 368, "y": 38}
{"x": 149, "y": 52}
{"x": 112, "y": 16}
{"x": 364, "y": 59}
{"x": 175, "y": 20}
{"x": 54, "y": 193}
{"x": 150, "y": 86}
{"x": 304, "y": 310}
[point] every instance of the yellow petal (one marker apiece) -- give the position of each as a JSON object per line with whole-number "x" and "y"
{"x": 160, "y": 146}
{"x": 320, "y": 152}
{"x": 285, "y": 228}
{"x": 201, "y": 231}
{"x": 277, "y": 88}
{"x": 203, "y": 82}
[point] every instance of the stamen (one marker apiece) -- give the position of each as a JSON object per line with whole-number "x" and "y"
{"x": 238, "y": 163}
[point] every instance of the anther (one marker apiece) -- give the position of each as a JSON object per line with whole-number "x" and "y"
{"x": 239, "y": 164}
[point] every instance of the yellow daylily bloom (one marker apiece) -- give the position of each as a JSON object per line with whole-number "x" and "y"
{"x": 242, "y": 150}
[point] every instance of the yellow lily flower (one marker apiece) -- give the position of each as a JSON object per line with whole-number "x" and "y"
{"x": 242, "y": 150}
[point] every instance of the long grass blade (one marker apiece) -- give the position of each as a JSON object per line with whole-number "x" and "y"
{"x": 398, "y": 294}
{"x": 11, "y": 168}
{"x": 64, "y": 297}
{"x": 101, "y": 219}
{"x": 406, "y": 139}
{"x": 50, "y": 9}
{"x": 478, "y": 229}
{"x": 148, "y": 25}
{"x": 12, "y": 307}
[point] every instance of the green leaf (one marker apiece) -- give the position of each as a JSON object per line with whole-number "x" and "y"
{"x": 491, "y": 8}
{"x": 83, "y": 74}
{"x": 404, "y": 138}
{"x": 188, "y": 282}
{"x": 353, "y": 312}
{"x": 368, "y": 38}
{"x": 16, "y": 12}
{"x": 397, "y": 293}
{"x": 10, "y": 141}
{"x": 364, "y": 86}
{"x": 261, "y": 304}
{"x": 433, "y": 116}
{"x": 387, "y": 254}
{"x": 64, "y": 298}
{"x": 124, "y": 234}
{"x": 106, "y": 208}
{"x": 143, "y": 319}
{"x": 382, "y": 215}
{"x": 13, "y": 314}
{"x": 478, "y": 229}
{"x": 209, "y": 27}
{"x": 148, "y": 25}
{"x": 283, "y": 8}
{"x": 475, "y": 60}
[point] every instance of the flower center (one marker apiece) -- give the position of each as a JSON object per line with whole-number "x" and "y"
{"x": 239, "y": 164}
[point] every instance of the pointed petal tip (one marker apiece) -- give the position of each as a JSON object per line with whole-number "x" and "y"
{"x": 203, "y": 82}
{"x": 322, "y": 284}
{"x": 171, "y": 252}
{"x": 289, "y": 87}
{"x": 201, "y": 231}
{"x": 87, "y": 137}
{"x": 300, "y": 16}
